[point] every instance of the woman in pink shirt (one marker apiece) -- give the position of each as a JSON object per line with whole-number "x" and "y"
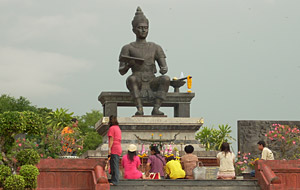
{"x": 114, "y": 148}
{"x": 131, "y": 163}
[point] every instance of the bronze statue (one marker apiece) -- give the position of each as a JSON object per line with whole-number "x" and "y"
{"x": 140, "y": 57}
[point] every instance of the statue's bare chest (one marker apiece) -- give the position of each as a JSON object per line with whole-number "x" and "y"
{"x": 144, "y": 51}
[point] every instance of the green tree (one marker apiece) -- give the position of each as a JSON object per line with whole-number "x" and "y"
{"x": 86, "y": 123}
{"x": 8, "y": 103}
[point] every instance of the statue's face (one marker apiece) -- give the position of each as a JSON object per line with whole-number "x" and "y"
{"x": 141, "y": 30}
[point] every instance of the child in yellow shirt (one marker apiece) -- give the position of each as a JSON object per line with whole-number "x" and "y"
{"x": 173, "y": 168}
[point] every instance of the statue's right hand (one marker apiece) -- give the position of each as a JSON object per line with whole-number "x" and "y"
{"x": 163, "y": 70}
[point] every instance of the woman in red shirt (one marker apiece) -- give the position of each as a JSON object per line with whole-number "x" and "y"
{"x": 114, "y": 148}
{"x": 131, "y": 162}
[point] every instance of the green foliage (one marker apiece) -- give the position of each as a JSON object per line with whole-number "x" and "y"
{"x": 53, "y": 140}
{"x": 14, "y": 182}
{"x": 206, "y": 137}
{"x": 5, "y": 171}
{"x": 30, "y": 173}
{"x": 86, "y": 124}
{"x": 42, "y": 128}
{"x": 91, "y": 141}
{"x": 49, "y": 143}
{"x": 8, "y": 103}
{"x": 59, "y": 119}
{"x": 224, "y": 135}
{"x": 13, "y": 123}
{"x": 212, "y": 138}
{"x": 283, "y": 140}
{"x": 28, "y": 156}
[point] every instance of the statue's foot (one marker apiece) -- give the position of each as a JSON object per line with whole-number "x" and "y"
{"x": 156, "y": 111}
{"x": 139, "y": 112}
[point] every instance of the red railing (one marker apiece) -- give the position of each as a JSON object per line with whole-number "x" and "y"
{"x": 77, "y": 174}
{"x": 278, "y": 174}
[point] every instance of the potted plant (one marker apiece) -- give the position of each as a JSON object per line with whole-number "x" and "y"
{"x": 241, "y": 164}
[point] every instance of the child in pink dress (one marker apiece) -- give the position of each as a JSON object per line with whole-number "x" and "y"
{"x": 131, "y": 163}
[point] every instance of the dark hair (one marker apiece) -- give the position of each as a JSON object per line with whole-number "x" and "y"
{"x": 189, "y": 149}
{"x": 262, "y": 143}
{"x": 131, "y": 155}
{"x": 155, "y": 149}
{"x": 170, "y": 158}
{"x": 113, "y": 120}
{"x": 73, "y": 120}
{"x": 225, "y": 148}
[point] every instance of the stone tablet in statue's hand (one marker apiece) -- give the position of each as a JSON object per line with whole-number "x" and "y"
{"x": 131, "y": 61}
{"x": 163, "y": 70}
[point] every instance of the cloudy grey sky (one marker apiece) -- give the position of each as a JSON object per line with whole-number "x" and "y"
{"x": 243, "y": 54}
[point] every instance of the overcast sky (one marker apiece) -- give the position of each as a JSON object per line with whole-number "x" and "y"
{"x": 244, "y": 55}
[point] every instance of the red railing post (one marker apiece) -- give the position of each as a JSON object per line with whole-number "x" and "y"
{"x": 267, "y": 179}
{"x": 101, "y": 178}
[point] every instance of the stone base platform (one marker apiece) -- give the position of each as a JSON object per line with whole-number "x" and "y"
{"x": 184, "y": 184}
{"x": 153, "y": 130}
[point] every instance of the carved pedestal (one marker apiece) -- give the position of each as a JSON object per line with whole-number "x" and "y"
{"x": 139, "y": 130}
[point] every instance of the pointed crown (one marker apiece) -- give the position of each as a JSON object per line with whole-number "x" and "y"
{"x": 139, "y": 18}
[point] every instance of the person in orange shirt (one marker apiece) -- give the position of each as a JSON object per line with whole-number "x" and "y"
{"x": 69, "y": 130}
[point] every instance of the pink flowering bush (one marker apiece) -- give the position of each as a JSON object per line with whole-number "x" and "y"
{"x": 286, "y": 139}
{"x": 242, "y": 162}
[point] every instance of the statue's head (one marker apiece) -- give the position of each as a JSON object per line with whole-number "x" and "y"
{"x": 140, "y": 24}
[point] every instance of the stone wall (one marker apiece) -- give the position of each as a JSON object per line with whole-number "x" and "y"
{"x": 252, "y": 131}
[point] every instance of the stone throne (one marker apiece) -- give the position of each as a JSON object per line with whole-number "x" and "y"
{"x": 112, "y": 100}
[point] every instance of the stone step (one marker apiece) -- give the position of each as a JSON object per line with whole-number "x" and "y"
{"x": 183, "y": 184}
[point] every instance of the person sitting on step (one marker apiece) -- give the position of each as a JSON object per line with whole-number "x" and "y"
{"x": 189, "y": 161}
{"x": 225, "y": 160}
{"x": 174, "y": 169}
{"x": 155, "y": 163}
{"x": 266, "y": 154}
{"x": 131, "y": 162}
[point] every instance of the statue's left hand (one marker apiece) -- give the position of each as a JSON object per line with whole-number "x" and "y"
{"x": 163, "y": 70}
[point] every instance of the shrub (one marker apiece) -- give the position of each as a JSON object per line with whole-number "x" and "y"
{"x": 242, "y": 162}
{"x": 13, "y": 123}
{"x": 284, "y": 141}
{"x": 212, "y": 138}
{"x": 5, "y": 171}
{"x": 30, "y": 173}
{"x": 14, "y": 182}
{"x": 28, "y": 157}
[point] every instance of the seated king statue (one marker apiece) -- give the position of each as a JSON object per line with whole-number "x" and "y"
{"x": 140, "y": 57}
